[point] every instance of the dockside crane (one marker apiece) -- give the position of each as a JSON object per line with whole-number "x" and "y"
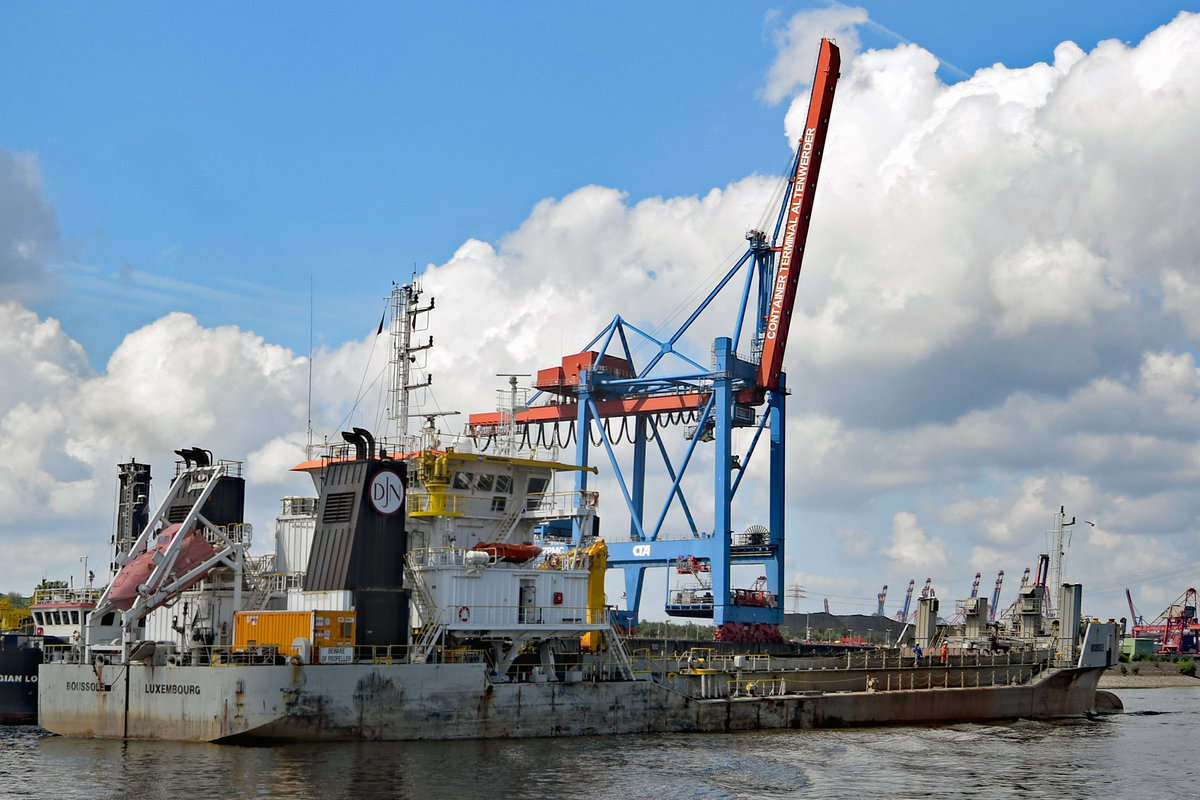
{"x": 995, "y": 597}
{"x": 902, "y": 615}
{"x": 1176, "y": 629}
{"x": 882, "y": 596}
{"x": 609, "y": 395}
{"x": 1134, "y": 617}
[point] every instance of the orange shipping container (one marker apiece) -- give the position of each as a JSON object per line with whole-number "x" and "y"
{"x": 281, "y": 628}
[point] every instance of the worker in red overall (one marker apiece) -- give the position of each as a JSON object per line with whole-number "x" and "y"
{"x": 944, "y": 651}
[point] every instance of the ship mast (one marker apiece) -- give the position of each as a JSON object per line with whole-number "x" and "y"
{"x": 405, "y": 313}
{"x": 1057, "y": 552}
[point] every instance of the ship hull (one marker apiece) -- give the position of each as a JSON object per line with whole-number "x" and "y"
{"x": 456, "y": 701}
{"x": 19, "y": 660}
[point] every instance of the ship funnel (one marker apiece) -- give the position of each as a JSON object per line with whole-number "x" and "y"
{"x": 360, "y": 444}
{"x": 369, "y": 439}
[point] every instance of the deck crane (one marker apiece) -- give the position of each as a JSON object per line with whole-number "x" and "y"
{"x": 995, "y": 597}
{"x": 975, "y": 585}
{"x": 613, "y": 394}
{"x": 882, "y": 596}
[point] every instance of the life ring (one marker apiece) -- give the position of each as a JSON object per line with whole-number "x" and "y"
{"x": 464, "y": 613}
{"x": 552, "y": 560}
{"x": 592, "y": 498}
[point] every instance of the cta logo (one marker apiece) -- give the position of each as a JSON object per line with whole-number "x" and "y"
{"x": 641, "y": 550}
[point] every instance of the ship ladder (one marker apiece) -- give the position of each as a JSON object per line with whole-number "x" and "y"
{"x": 426, "y": 645}
{"x": 617, "y": 648}
{"x": 509, "y": 522}
{"x": 424, "y": 600}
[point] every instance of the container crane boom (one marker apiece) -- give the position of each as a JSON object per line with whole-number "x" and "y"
{"x": 996, "y": 597}
{"x": 903, "y": 615}
{"x": 799, "y": 210}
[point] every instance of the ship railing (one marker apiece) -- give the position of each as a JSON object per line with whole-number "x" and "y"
{"x": 597, "y": 669}
{"x": 454, "y": 557}
{"x": 432, "y": 503}
{"x": 756, "y": 687}
{"x": 299, "y": 506}
{"x": 547, "y": 506}
{"x": 62, "y": 653}
{"x": 706, "y": 658}
{"x": 646, "y": 663}
{"x": 417, "y": 654}
{"x": 714, "y": 683}
{"x": 238, "y": 533}
{"x": 436, "y": 556}
{"x": 559, "y": 505}
{"x": 55, "y": 593}
{"x": 550, "y": 618}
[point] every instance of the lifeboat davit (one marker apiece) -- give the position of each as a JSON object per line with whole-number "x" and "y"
{"x": 195, "y": 549}
{"x": 509, "y": 551}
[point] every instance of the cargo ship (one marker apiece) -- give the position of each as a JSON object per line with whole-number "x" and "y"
{"x": 470, "y": 616}
{"x": 443, "y": 587}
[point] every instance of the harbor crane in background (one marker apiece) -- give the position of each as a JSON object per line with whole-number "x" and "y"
{"x": 995, "y": 597}
{"x": 627, "y": 386}
{"x": 882, "y": 596}
{"x": 1134, "y": 617}
{"x": 902, "y": 614}
{"x": 1176, "y": 629}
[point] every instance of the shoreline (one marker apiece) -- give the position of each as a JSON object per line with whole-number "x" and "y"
{"x": 1150, "y": 676}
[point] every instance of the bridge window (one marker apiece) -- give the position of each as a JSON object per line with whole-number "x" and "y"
{"x": 464, "y": 480}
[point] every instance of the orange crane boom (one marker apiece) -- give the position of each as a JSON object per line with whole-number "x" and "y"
{"x": 795, "y": 233}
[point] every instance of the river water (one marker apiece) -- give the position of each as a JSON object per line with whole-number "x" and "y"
{"x": 1145, "y": 750}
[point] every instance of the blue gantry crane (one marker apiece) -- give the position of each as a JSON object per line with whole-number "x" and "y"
{"x": 617, "y": 397}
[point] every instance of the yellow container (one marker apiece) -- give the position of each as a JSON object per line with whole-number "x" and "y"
{"x": 280, "y": 628}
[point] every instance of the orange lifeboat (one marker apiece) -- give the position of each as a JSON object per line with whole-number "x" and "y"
{"x": 124, "y": 589}
{"x": 509, "y": 551}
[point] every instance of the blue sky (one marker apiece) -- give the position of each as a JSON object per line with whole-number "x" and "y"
{"x": 995, "y": 319}
{"x": 227, "y": 144}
